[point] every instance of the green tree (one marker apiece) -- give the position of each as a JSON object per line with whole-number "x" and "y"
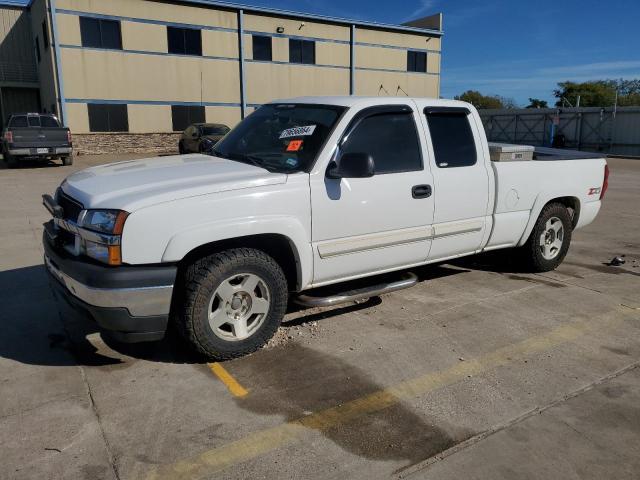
{"x": 596, "y": 93}
{"x": 537, "y": 103}
{"x": 481, "y": 101}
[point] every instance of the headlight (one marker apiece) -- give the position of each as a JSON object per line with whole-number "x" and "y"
{"x": 109, "y": 222}
{"x": 105, "y": 221}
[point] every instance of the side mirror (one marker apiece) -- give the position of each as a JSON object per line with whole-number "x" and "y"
{"x": 352, "y": 165}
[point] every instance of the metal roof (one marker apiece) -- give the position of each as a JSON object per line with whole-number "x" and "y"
{"x": 283, "y": 13}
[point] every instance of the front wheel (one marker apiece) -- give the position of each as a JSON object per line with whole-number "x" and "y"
{"x": 232, "y": 302}
{"x": 549, "y": 240}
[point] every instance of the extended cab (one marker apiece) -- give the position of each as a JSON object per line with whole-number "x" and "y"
{"x": 301, "y": 194}
{"x": 36, "y": 135}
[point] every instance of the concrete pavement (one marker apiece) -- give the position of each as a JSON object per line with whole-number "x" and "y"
{"x": 480, "y": 371}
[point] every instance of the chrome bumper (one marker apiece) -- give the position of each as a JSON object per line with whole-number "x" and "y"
{"x": 34, "y": 151}
{"x": 139, "y": 301}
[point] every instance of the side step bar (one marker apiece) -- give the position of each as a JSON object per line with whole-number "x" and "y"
{"x": 409, "y": 280}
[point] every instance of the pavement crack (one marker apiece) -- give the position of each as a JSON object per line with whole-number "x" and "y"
{"x": 109, "y": 451}
{"x": 503, "y": 426}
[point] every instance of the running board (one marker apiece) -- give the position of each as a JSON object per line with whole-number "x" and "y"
{"x": 409, "y": 280}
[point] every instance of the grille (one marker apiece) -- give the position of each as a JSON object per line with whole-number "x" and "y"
{"x": 71, "y": 207}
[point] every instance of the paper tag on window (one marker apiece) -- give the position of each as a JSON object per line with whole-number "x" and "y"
{"x": 294, "y": 145}
{"x": 298, "y": 131}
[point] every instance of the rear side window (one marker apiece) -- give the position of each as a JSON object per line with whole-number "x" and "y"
{"x": 452, "y": 139}
{"x": 49, "y": 122}
{"x": 18, "y": 122}
{"x": 391, "y": 139}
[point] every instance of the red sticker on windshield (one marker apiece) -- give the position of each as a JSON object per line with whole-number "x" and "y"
{"x": 294, "y": 145}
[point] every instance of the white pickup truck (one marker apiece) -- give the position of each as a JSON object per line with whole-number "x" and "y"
{"x": 303, "y": 193}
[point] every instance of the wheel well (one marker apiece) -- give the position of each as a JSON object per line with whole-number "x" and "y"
{"x": 572, "y": 204}
{"x": 277, "y": 246}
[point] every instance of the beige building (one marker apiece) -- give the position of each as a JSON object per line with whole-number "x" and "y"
{"x": 113, "y": 70}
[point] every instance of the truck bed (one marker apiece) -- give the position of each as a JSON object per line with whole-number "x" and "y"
{"x": 522, "y": 188}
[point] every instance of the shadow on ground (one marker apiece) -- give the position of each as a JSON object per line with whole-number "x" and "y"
{"x": 373, "y": 429}
{"x": 26, "y": 164}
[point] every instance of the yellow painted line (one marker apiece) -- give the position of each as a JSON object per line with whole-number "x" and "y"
{"x": 261, "y": 442}
{"x": 225, "y": 377}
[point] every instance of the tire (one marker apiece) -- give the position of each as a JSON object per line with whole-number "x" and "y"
{"x": 181, "y": 150}
{"x": 10, "y": 161}
{"x": 553, "y": 229}
{"x": 216, "y": 300}
{"x": 66, "y": 161}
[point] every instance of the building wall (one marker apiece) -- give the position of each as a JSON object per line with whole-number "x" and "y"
{"x": 18, "y": 68}
{"x": 149, "y": 80}
{"x": 46, "y": 67}
{"x": 17, "y": 58}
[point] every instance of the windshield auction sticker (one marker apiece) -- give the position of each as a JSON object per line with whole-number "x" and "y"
{"x": 298, "y": 131}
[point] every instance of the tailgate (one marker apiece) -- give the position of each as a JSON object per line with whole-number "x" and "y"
{"x": 39, "y": 137}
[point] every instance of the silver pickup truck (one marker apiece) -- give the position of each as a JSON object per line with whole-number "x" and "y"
{"x": 36, "y": 135}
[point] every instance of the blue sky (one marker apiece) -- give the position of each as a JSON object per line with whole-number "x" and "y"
{"x": 513, "y": 48}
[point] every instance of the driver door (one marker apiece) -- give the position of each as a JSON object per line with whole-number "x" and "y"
{"x": 383, "y": 222}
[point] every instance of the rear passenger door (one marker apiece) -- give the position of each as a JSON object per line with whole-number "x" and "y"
{"x": 461, "y": 181}
{"x": 366, "y": 225}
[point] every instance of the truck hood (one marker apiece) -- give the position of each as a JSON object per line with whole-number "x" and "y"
{"x": 135, "y": 184}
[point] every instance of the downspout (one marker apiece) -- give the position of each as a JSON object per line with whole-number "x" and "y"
{"x": 352, "y": 53}
{"x": 56, "y": 50}
{"x": 243, "y": 101}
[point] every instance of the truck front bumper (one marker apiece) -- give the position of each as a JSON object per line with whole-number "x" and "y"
{"x": 131, "y": 302}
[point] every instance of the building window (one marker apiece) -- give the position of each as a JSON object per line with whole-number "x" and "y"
{"x": 183, "y": 116}
{"x": 98, "y": 33}
{"x": 261, "y": 48}
{"x": 108, "y": 118}
{"x": 45, "y": 34}
{"x": 416, "y": 61}
{"x": 184, "y": 41}
{"x": 38, "y": 49}
{"x": 302, "y": 51}
{"x": 452, "y": 139}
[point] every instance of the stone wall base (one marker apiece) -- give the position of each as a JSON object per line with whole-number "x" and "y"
{"x": 100, "y": 143}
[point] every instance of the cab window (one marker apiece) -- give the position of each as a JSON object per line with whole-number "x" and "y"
{"x": 390, "y": 138}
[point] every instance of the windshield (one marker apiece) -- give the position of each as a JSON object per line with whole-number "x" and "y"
{"x": 281, "y": 137}
{"x": 217, "y": 130}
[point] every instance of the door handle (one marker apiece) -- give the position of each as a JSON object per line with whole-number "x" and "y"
{"x": 421, "y": 191}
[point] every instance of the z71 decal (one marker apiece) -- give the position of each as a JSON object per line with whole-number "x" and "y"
{"x": 594, "y": 190}
{"x": 298, "y": 131}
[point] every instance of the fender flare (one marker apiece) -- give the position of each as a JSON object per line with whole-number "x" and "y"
{"x": 542, "y": 199}
{"x": 289, "y": 227}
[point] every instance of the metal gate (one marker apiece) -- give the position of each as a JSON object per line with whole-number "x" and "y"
{"x": 591, "y": 128}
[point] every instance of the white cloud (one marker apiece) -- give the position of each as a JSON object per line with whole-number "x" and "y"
{"x": 425, "y": 7}
{"x": 519, "y": 80}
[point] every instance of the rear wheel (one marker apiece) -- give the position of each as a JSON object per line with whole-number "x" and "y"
{"x": 233, "y": 302}
{"x": 66, "y": 161}
{"x": 181, "y": 149}
{"x": 549, "y": 240}
{"x": 10, "y": 160}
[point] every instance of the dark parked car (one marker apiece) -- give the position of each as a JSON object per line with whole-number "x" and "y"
{"x": 200, "y": 137}
{"x": 35, "y": 135}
